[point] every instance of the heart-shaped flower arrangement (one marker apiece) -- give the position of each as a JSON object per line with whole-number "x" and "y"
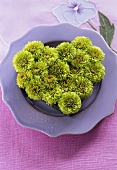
{"x": 64, "y": 75}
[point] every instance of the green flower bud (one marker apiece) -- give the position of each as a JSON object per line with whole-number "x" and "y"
{"x": 40, "y": 68}
{"x": 95, "y": 71}
{"x": 80, "y": 59}
{"x": 60, "y": 69}
{"x": 36, "y": 48}
{"x": 50, "y": 82}
{"x": 52, "y": 96}
{"x": 23, "y": 61}
{"x": 35, "y": 89}
{"x": 23, "y": 79}
{"x": 50, "y": 55}
{"x": 96, "y": 53}
{"x": 75, "y": 72}
{"x": 81, "y": 42}
{"x": 68, "y": 84}
{"x": 66, "y": 51}
{"x": 69, "y": 103}
{"x": 83, "y": 87}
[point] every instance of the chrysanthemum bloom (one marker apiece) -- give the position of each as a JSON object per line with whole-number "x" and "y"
{"x": 40, "y": 68}
{"x": 75, "y": 72}
{"x": 80, "y": 60}
{"x": 82, "y": 43}
{"x": 68, "y": 84}
{"x": 96, "y": 53}
{"x": 48, "y": 98}
{"x": 66, "y": 51}
{"x": 50, "y": 55}
{"x": 35, "y": 48}
{"x": 62, "y": 75}
{"x": 95, "y": 71}
{"x": 52, "y": 96}
{"x": 60, "y": 69}
{"x": 69, "y": 103}
{"x": 35, "y": 89}
{"x": 23, "y": 79}
{"x": 83, "y": 87}
{"x": 23, "y": 61}
{"x": 50, "y": 82}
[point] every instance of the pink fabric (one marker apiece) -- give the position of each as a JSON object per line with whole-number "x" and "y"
{"x": 22, "y": 148}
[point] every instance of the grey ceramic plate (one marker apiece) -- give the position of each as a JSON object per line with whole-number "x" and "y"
{"x": 100, "y": 105}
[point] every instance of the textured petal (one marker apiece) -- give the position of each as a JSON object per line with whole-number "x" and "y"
{"x": 73, "y": 1}
{"x": 70, "y": 17}
{"x": 83, "y": 3}
{"x": 85, "y": 15}
{"x": 58, "y": 12}
{"x": 86, "y": 4}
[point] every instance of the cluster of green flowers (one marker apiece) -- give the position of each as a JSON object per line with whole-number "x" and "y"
{"x": 64, "y": 75}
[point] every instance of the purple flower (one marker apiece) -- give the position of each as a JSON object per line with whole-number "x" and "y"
{"x": 75, "y": 12}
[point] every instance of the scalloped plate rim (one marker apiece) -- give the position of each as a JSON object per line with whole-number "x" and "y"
{"x": 5, "y": 97}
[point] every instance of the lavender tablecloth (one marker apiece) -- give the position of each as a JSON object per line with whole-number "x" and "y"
{"x": 26, "y": 149}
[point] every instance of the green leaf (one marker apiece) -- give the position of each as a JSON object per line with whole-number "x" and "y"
{"x": 106, "y": 29}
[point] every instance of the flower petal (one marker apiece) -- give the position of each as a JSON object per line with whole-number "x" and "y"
{"x": 83, "y": 3}
{"x": 85, "y": 15}
{"x": 58, "y": 12}
{"x": 87, "y": 4}
{"x": 73, "y": 1}
{"x": 70, "y": 17}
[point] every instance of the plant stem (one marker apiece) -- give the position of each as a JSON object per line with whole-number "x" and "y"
{"x": 92, "y": 26}
{"x": 96, "y": 30}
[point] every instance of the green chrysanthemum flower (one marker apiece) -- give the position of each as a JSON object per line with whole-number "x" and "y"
{"x": 23, "y": 79}
{"x": 68, "y": 84}
{"x": 83, "y": 87}
{"x": 80, "y": 59}
{"x": 50, "y": 81}
{"x": 36, "y": 48}
{"x": 60, "y": 69}
{"x": 81, "y": 42}
{"x": 96, "y": 53}
{"x": 48, "y": 98}
{"x": 50, "y": 55}
{"x": 69, "y": 103}
{"x": 23, "y": 61}
{"x": 35, "y": 89}
{"x": 66, "y": 51}
{"x": 52, "y": 96}
{"x": 63, "y": 75}
{"x": 75, "y": 72}
{"x": 95, "y": 71}
{"x": 40, "y": 68}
